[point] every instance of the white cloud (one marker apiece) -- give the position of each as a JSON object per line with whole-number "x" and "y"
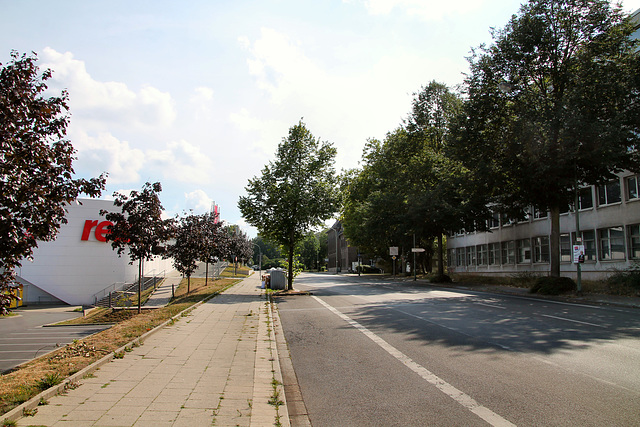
{"x": 427, "y": 10}
{"x": 108, "y": 104}
{"x": 349, "y": 107}
{"x": 203, "y": 93}
{"x": 249, "y": 229}
{"x": 269, "y": 131}
{"x": 198, "y": 201}
{"x": 182, "y": 161}
{"x": 105, "y": 152}
{"x": 201, "y": 103}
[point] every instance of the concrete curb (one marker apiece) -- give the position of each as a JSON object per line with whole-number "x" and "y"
{"x": 297, "y": 410}
{"x": 283, "y": 411}
{"x": 73, "y": 380}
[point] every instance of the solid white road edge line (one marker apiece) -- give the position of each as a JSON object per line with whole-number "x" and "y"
{"x": 463, "y": 399}
{"x": 574, "y": 321}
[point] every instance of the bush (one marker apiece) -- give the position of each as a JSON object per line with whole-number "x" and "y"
{"x": 525, "y": 279}
{"x": 553, "y": 286}
{"x": 625, "y": 281}
{"x": 436, "y": 278}
{"x": 367, "y": 269}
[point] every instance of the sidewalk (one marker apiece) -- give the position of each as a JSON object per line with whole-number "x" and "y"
{"x": 215, "y": 366}
{"x": 162, "y": 295}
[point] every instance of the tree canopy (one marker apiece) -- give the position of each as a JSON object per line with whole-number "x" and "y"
{"x": 295, "y": 193}
{"x": 139, "y": 227}
{"x": 552, "y": 104}
{"x": 36, "y": 165}
{"x": 408, "y": 186}
{"x": 191, "y": 245}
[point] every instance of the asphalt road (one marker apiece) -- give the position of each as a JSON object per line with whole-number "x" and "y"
{"x": 383, "y": 354}
{"x": 24, "y": 337}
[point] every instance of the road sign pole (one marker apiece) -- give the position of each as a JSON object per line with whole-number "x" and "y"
{"x": 414, "y": 257}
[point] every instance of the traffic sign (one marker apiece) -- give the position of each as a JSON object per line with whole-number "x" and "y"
{"x": 418, "y": 249}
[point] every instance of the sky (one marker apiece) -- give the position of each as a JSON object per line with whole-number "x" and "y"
{"x": 198, "y": 94}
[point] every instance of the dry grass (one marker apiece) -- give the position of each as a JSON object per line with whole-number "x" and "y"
{"x": 21, "y": 384}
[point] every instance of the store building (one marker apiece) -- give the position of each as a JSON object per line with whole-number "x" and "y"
{"x": 79, "y": 265}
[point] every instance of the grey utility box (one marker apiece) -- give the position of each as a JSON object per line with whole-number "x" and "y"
{"x": 278, "y": 280}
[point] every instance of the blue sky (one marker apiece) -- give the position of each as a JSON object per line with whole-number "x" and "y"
{"x": 198, "y": 94}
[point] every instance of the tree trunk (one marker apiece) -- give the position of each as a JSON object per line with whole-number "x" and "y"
{"x": 290, "y": 273}
{"x": 554, "y": 242}
{"x": 206, "y": 274}
{"x": 140, "y": 285}
{"x": 188, "y": 284}
{"x": 440, "y": 256}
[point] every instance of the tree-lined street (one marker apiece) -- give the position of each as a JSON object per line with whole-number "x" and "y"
{"x": 373, "y": 352}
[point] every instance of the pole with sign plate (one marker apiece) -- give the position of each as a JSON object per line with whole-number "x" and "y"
{"x": 393, "y": 251}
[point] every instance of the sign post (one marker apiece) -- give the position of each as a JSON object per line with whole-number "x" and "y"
{"x": 393, "y": 251}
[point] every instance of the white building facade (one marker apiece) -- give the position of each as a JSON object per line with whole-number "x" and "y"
{"x": 609, "y": 217}
{"x": 80, "y": 264}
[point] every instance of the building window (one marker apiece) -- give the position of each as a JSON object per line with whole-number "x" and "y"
{"x": 565, "y": 248}
{"x": 611, "y": 242}
{"x": 523, "y": 251}
{"x": 482, "y": 252}
{"x": 585, "y": 198}
{"x": 633, "y": 192}
{"x": 537, "y": 213}
{"x": 494, "y": 253}
{"x": 634, "y": 241}
{"x": 451, "y": 257}
{"x": 494, "y": 221}
{"x": 589, "y": 243}
{"x": 541, "y": 249}
{"x": 460, "y": 257}
{"x": 471, "y": 256}
{"x": 509, "y": 252}
{"x": 506, "y": 221}
{"x": 609, "y": 193}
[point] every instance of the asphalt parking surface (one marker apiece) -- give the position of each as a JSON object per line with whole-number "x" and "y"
{"x": 24, "y": 336}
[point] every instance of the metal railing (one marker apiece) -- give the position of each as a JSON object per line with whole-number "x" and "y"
{"x": 121, "y": 290}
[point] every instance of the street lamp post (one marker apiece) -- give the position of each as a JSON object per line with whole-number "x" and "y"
{"x": 578, "y": 239}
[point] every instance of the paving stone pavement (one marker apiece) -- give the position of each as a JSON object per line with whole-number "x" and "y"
{"x": 215, "y": 366}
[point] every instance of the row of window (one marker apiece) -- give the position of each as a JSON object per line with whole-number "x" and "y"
{"x": 606, "y": 244}
{"x": 607, "y": 194}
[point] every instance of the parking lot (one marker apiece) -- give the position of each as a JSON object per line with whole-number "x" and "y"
{"x": 24, "y": 336}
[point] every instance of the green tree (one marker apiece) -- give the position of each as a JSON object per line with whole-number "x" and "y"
{"x": 139, "y": 227}
{"x": 240, "y": 247}
{"x": 442, "y": 194}
{"x": 374, "y": 199}
{"x": 295, "y": 193}
{"x": 270, "y": 252}
{"x": 308, "y": 251}
{"x": 409, "y": 186}
{"x": 189, "y": 247}
{"x": 36, "y": 166}
{"x": 568, "y": 112}
{"x": 323, "y": 248}
{"x": 215, "y": 241}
